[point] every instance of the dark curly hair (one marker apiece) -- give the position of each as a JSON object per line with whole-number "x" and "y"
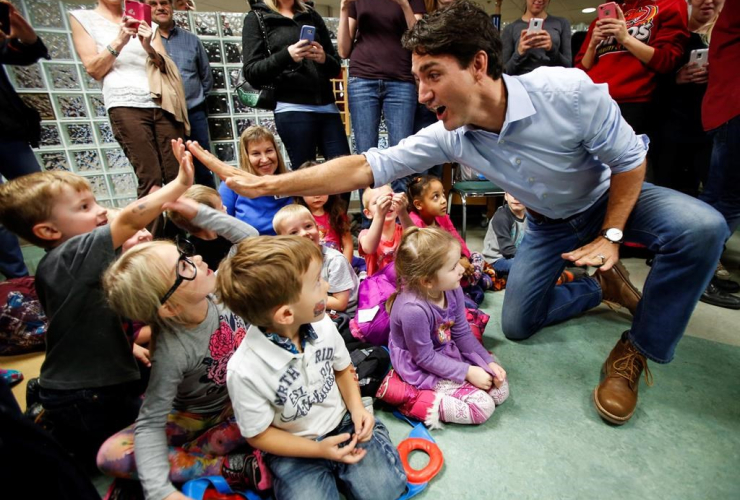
{"x": 460, "y": 30}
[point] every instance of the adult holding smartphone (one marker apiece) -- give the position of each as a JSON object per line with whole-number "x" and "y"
{"x": 19, "y": 124}
{"x": 115, "y": 50}
{"x": 525, "y": 49}
{"x": 380, "y": 79}
{"x": 306, "y": 115}
{"x": 628, "y": 53}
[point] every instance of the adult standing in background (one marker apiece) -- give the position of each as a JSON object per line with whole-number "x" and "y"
{"x": 188, "y": 53}
{"x": 306, "y": 115}
{"x": 380, "y": 77}
{"x": 19, "y": 126}
{"x": 114, "y": 49}
{"x": 524, "y": 51}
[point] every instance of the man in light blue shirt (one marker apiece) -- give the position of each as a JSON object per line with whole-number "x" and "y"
{"x": 191, "y": 59}
{"x": 557, "y": 142}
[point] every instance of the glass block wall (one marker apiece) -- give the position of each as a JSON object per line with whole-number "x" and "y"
{"x": 75, "y": 132}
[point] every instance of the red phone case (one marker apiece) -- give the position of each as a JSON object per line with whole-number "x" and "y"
{"x": 140, "y": 11}
{"x": 608, "y": 11}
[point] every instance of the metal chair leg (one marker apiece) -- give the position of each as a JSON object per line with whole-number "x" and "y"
{"x": 464, "y": 201}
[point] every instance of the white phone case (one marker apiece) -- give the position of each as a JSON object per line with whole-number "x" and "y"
{"x": 699, "y": 56}
{"x": 535, "y": 25}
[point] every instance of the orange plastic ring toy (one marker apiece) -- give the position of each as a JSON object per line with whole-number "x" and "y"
{"x": 415, "y": 476}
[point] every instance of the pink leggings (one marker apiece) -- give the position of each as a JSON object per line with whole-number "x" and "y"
{"x": 197, "y": 446}
{"x": 466, "y": 404}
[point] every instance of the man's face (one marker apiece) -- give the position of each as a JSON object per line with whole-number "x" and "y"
{"x": 162, "y": 11}
{"x": 445, "y": 88}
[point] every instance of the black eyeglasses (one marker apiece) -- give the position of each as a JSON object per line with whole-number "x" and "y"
{"x": 185, "y": 270}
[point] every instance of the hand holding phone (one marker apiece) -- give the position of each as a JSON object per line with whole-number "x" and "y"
{"x": 699, "y": 57}
{"x": 139, "y": 11}
{"x": 308, "y": 33}
{"x": 608, "y": 11}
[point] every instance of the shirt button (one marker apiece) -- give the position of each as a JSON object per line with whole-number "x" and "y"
{"x": 518, "y": 161}
{"x": 502, "y": 141}
{"x": 544, "y": 196}
{"x": 531, "y": 179}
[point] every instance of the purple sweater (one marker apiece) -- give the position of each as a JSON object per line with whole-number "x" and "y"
{"x": 429, "y": 344}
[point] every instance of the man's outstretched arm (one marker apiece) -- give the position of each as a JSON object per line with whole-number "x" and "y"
{"x": 339, "y": 175}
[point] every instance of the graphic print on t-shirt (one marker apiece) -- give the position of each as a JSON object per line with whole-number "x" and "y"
{"x": 297, "y": 395}
{"x": 224, "y": 342}
{"x": 640, "y": 23}
{"x": 443, "y": 331}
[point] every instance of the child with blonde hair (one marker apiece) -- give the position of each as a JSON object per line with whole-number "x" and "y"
{"x": 186, "y": 428}
{"x": 89, "y": 378}
{"x": 378, "y": 243}
{"x": 296, "y": 220}
{"x": 292, "y": 382}
{"x": 330, "y": 214}
{"x": 258, "y": 155}
{"x": 441, "y": 373}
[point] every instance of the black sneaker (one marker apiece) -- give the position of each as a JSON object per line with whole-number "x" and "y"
{"x": 716, "y": 297}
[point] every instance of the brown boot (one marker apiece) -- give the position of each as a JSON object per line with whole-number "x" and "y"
{"x": 616, "y": 287}
{"x": 616, "y": 396}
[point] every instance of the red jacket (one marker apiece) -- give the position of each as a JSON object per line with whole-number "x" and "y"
{"x": 722, "y": 98}
{"x": 658, "y": 23}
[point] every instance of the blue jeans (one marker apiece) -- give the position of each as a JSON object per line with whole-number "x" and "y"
{"x": 686, "y": 236}
{"x": 503, "y": 266}
{"x": 723, "y": 185}
{"x": 16, "y": 160}
{"x": 303, "y": 132}
{"x": 198, "y": 118}
{"x": 396, "y": 99}
{"x": 379, "y": 475}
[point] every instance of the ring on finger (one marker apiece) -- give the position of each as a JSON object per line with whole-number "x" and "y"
{"x": 602, "y": 257}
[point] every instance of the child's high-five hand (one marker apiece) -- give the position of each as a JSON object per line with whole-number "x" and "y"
{"x": 186, "y": 174}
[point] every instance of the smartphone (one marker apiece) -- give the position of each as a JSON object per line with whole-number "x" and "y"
{"x": 699, "y": 56}
{"x": 138, "y": 10}
{"x": 608, "y": 11}
{"x": 308, "y": 33}
{"x": 535, "y": 25}
{"x": 5, "y": 18}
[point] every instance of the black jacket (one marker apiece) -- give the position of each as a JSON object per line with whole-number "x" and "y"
{"x": 300, "y": 83}
{"x": 18, "y": 121}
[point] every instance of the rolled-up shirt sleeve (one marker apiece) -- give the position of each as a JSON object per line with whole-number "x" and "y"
{"x": 605, "y": 133}
{"x": 415, "y": 154}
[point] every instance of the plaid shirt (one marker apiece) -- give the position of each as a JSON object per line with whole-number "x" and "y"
{"x": 191, "y": 59}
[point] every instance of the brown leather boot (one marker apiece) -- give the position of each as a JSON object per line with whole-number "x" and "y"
{"x": 616, "y": 287}
{"x": 616, "y": 396}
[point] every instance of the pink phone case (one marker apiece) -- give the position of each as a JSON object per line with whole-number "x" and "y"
{"x": 140, "y": 11}
{"x": 608, "y": 11}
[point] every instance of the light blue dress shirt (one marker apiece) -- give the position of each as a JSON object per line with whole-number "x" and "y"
{"x": 562, "y": 138}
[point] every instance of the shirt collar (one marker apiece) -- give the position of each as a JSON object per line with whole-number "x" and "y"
{"x": 257, "y": 339}
{"x": 518, "y": 104}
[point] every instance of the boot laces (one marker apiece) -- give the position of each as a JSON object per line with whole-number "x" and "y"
{"x": 628, "y": 367}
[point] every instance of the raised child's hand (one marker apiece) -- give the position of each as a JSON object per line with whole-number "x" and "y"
{"x": 383, "y": 205}
{"x": 500, "y": 373}
{"x": 186, "y": 174}
{"x": 400, "y": 202}
{"x": 364, "y": 423}
{"x": 184, "y": 206}
{"x": 348, "y": 454}
{"x": 479, "y": 378}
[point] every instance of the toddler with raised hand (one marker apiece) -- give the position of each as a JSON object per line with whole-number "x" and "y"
{"x": 378, "y": 243}
{"x": 441, "y": 373}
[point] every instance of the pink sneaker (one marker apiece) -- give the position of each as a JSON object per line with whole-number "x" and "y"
{"x": 395, "y": 391}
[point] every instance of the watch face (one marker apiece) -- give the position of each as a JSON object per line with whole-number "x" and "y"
{"x": 613, "y": 234}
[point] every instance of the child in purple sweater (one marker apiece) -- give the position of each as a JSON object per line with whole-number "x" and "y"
{"x": 440, "y": 371}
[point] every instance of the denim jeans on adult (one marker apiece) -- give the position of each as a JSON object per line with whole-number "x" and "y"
{"x": 686, "y": 236}
{"x": 16, "y": 160}
{"x": 83, "y": 419}
{"x": 302, "y": 132}
{"x": 198, "y": 117}
{"x": 379, "y": 475}
{"x": 397, "y": 100}
{"x": 723, "y": 185}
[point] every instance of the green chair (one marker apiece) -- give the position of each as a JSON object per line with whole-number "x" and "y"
{"x": 472, "y": 189}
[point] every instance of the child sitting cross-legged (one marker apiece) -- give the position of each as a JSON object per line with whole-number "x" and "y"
{"x": 291, "y": 381}
{"x": 378, "y": 243}
{"x": 186, "y": 427}
{"x": 296, "y": 220}
{"x": 89, "y": 377}
{"x": 440, "y": 371}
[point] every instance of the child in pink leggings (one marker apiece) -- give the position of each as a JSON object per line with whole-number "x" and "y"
{"x": 440, "y": 371}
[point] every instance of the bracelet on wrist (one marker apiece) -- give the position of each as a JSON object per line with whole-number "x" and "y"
{"x": 113, "y": 51}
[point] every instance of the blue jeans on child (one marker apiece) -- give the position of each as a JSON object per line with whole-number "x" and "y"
{"x": 396, "y": 99}
{"x": 503, "y": 266}
{"x": 379, "y": 475}
{"x": 686, "y": 236}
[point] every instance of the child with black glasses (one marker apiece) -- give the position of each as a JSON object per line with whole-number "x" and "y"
{"x": 186, "y": 428}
